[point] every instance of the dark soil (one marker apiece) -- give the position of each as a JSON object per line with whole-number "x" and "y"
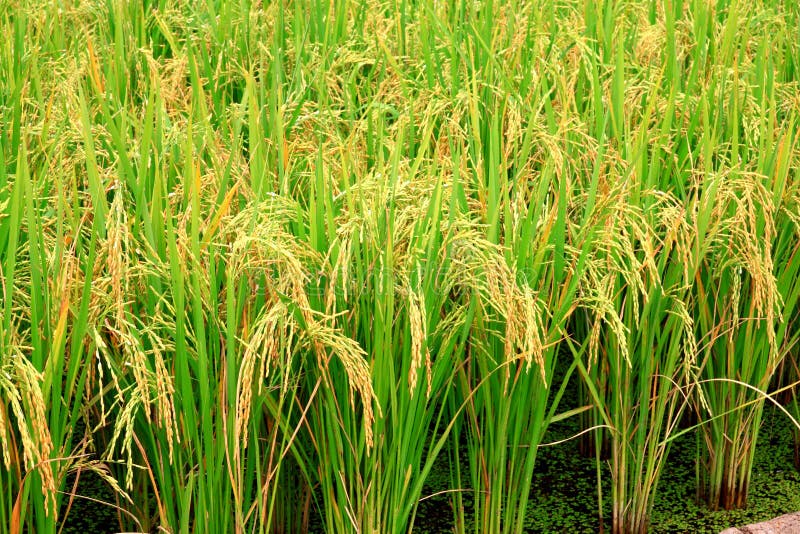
{"x": 565, "y": 494}
{"x": 565, "y": 491}
{"x": 88, "y": 515}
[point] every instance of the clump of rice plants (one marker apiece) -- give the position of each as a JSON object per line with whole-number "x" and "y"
{"x": 265, "y": 264}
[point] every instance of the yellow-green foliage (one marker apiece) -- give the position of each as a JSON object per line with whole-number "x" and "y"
{"x": 266, "y": 260}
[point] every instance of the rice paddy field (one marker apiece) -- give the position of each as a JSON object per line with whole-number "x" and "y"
{"x": 390, "y": 266}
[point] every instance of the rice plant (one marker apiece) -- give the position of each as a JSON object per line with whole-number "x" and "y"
{"x": 267, "y": 266}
